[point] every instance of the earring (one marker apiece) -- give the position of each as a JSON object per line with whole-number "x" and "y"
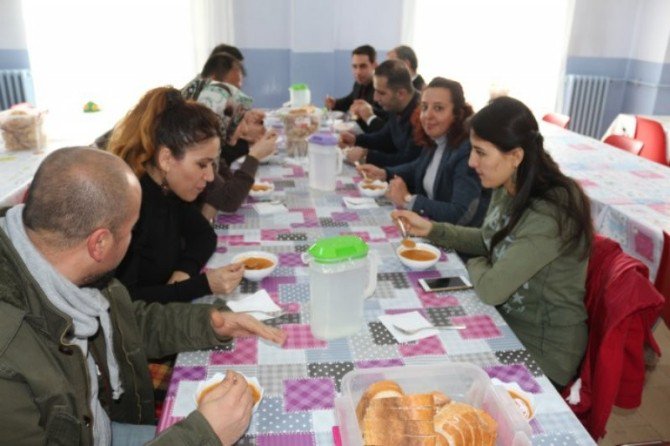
{"x": 165, "y": 187}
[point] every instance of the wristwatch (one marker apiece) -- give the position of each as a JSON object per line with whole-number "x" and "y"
{"x": 408, "y": 199}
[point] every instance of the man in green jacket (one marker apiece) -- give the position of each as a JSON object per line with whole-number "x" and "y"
{"x": 73, "y": 346}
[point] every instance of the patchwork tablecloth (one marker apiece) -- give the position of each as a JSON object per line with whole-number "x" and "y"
{"x": 630, "y": 195}
{"x": 302, "y": 378}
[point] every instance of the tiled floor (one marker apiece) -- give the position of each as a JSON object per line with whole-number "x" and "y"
{"x": 650, "y": 421}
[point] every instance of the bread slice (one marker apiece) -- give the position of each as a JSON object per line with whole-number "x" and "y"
{"x": 387, "y": 416}
{"x": 404, "y": 408}
{"x": 461, "y": 424}
{"x": 489, "y": 428}
{"x": 440, "y": 399}
{"x": 380, "y": 389}
{"x": 392, "y": 431}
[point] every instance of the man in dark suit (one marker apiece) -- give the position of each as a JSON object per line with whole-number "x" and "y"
{"x": 393, "y": 144}
{"x": 363, "y": 64}
{"x": 408, "y": 56}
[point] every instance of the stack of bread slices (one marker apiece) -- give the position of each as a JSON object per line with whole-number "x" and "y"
{"x": 387, "y": 416}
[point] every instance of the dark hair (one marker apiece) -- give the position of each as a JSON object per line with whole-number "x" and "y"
{"x": 404, "y": 52}
{"x": 75, "y": 191}
{"x": 228, "y": 49}
{"x": 219, "y": 65}
{"x": 458, "y": 131}
{"x": 396, "y": 74}
{"x": 507, "y": 123}
{"x": 162, "y": 118}
{"x": 366, "y": 50}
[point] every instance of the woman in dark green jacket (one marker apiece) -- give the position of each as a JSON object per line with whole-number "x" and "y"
{"x": 532, "y": 251}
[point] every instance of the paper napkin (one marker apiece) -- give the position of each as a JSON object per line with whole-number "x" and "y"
{"x": 259, "y": 301}
{"x": 270, "y": 208}
{"x": 409, "y": 321}
{"x": 360, "y": 202}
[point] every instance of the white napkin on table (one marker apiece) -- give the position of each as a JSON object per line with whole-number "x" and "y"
{"x": 184, "y": 403}
{"x": 409, "y": 321}
{"x": 360, "y": 202}
{"x": 270, "y": 208}
{"x": 259, "y": 301}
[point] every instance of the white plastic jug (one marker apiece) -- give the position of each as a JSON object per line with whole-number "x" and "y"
{"x": 325, "y": 161}
{"x": 300, "y": 95}
{"x": 341, "y": 276}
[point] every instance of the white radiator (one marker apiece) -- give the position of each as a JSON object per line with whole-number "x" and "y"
{"x": 16, "y": 86}
{"x": 584, "y": 102}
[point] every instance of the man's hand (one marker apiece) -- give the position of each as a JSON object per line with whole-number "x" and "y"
{"x": 361, "y": 109}
{"x": 227, "y": 408}
{"x": 225, "y": 279}
{"x": 329, "y": 102}
{"x": 371, "y": 171}
{"x": 228, "y": 324}
{"x": 178, "y": 276}
{"x": 346, "y": 139}
{"x": 353, "y": 154}
{"x": 397, "y": 191}
{"x": 265, "y": 147}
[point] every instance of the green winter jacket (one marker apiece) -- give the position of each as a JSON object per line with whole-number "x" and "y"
{"x": 43, "y": 380}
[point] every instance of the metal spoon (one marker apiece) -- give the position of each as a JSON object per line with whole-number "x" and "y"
{"x": 406, "y": 242}
{"x": 365, "y": 175}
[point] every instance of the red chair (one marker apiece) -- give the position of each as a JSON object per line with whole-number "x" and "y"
{"x": 557, "y": 119}
{"x": 631, "y": 145}
{"x": 622, "y": 307}
{"x": 653, "y": 135}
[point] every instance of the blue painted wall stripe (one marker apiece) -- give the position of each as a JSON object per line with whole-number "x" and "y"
{"x": 14, "y": 59}
{"x": 272, "y": 71}
{"x": 640, "y": 86}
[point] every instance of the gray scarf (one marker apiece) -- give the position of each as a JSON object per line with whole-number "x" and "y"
{"x": 86, "y": 306}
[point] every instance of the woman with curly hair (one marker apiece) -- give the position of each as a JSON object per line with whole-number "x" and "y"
{"x": 438, "y": 184}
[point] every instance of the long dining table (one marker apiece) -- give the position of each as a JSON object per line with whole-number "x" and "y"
{"x": 302, "y": 378}
{"x": 630, "y": 198}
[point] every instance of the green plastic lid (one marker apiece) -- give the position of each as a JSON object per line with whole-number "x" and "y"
{"x": 338, "y": 249}
{"x": 299, "y": 87}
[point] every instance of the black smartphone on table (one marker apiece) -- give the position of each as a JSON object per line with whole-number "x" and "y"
{"x": 451, "y": 283}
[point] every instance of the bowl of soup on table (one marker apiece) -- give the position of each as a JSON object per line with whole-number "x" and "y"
{"x": 417, "y": 257}
{"x": 261, "y": 189}
{"x": 374, "y": 189}
{"x": 257, "y": 264}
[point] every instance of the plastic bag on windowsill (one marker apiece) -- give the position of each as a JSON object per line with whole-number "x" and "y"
{"x": 22, "y": 128}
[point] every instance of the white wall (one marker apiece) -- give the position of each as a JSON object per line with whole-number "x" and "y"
{"x": 12, "y": 33}
{"x": 652, "y": 37}
{"x": 593, "y": 24}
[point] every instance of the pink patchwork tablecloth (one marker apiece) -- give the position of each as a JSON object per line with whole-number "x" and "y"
{"x": 630, "y": 195}
{"x": 302, "y": 378}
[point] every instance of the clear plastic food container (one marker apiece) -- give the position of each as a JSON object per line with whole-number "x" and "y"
{"x": 22, "y": 129}
{"x": 463, "y": 382}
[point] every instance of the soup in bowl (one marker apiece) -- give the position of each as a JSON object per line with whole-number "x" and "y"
{"x": 205, "y": 387}
{"x": 257, "y": 264}
{"x": 420, "y": 256}
{"x": 374, "y": 189}
{"x": 261, "y": 189}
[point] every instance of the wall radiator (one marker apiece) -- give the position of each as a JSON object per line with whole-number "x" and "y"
{"x": 16, "y": 86}
{"x": 584, "y": 102}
